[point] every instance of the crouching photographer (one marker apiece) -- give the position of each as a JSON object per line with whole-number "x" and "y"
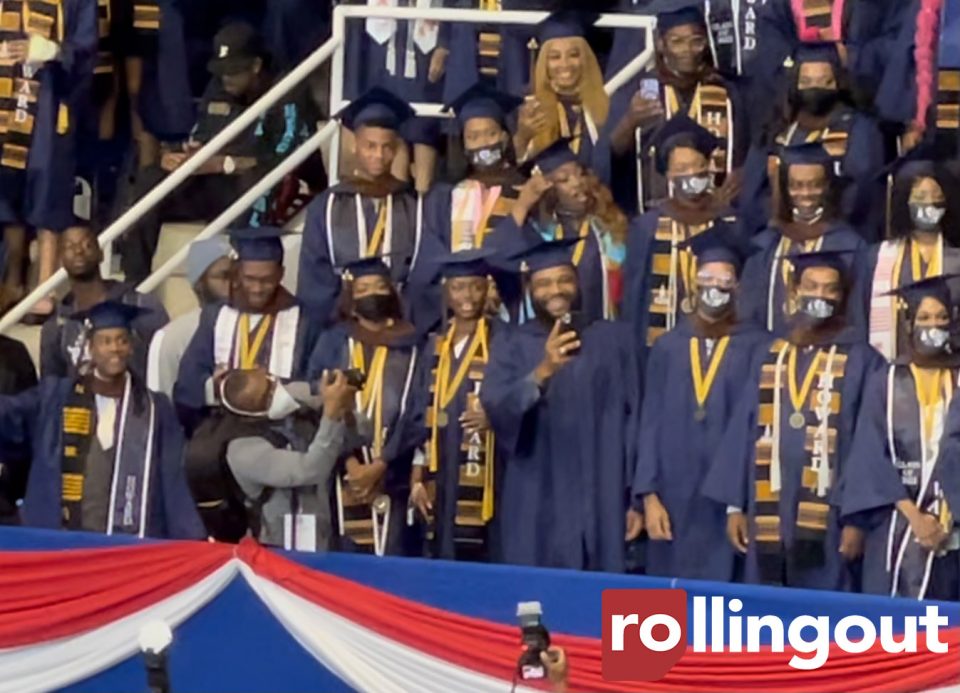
{"x": 263, "y": 468}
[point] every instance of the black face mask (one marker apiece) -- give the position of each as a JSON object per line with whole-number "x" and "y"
{"x": 715, "y": 302}
{"x": 377, "y": 307}
{"x": 486, "y": 157}
{"x": 817, "y": 101}
{"x": 692, "y": 187}
{"x": 931, "y": 341}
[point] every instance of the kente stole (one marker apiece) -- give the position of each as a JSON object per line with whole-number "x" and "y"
{"x": 476, "y": 454}
{"x": 917, "y": 404}
{"x": 670, "y": 267}
{"x": 488, "y": 44}
{"x": 146, "y": 24}
{"x": 19, "y": 88}
{"x": 820, "y": 410}
{"x": 475, "y": 210}
{"x": 814, "y": 16}
{"x": 132, "y": 459}
{"x": 711, "y": 108}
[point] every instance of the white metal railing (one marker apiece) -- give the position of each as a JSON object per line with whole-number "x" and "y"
{"x": 331, "y": 48}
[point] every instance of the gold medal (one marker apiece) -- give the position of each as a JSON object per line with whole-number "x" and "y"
{"x": 798, "y": 420}
{"x": 700, "y": 414}
{"x": 442, "y": 419}
{"x": 686, "y": 305}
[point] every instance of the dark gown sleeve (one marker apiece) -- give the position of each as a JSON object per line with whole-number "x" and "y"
{"x": 754, "y": 202}
{"x": 411, "y": 428}
{"x": 636, "y": 275}
{"x": 948, "y": 461}
{"x": 18, "y": 415}
{"x": 436, "y": 213}
{"x": 864, "y": 158}
{"x": 52, "y": 363}
{"x": 328, "y": 353}
{"x": 870, "y": 481}
{"x": 754, "y": 287}
{"x": 196, "y": 367}
{"x": 180, "y": 518}
{"x": 73, "y": 68}
{"x": 647, "y": 476}
{"x": 896, "y": 98}
{"x": 309, "y": 329}
{"x": 508, "y": 394}
{"x": 20, "y": 363}
{"x": 317, "y": 284}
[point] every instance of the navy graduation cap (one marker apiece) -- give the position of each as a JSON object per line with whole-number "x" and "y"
{"x": 923, "y": 160}
{"x": 817, "y": 52}
{"x": 681, "y": 130}
{"x": 258, "y": 243}
{"x": 932, "y": 287}
{"x": 466, "y": 263}
{"x": 565, "y": 24}
{"x": 364, "y": 267}
{"x": 719, "y": 243}
{"x": 111, "y": 315}
{"x": 683, "y": 15}
{"x": 546, "y": 255}
{"x": 833, "y": 259}
{"x": 482, "y": 101}
{"x": 378, "y": 107}
{"x": 553, "y": 157}
{"x": 810, "y": 153}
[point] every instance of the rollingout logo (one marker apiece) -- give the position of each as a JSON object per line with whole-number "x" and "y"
{"x": 645, "y": 633}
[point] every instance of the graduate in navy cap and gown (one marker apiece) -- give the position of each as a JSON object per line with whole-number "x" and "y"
{"x": 568, "y": 99}
{"x": 898, "y": 463}
{"x": 48, "y": 51}
{"x": 683, "y": 81}
{"x": 922, "y": 236}
{"x": 367, "y": 214}
{"x": 659, "y": 271}
{"x": 781, "y": 466}
{"x": 562, "y": 398}
{"x": 816, "y": 105}
{"x": 806, "y": 219}
{"x": 564, "y": 200}
{"x": 453, "y": 480}
{"x": 262, "y": 326}
{"x": 695, "y": 374}
{"x": 107, "y": 453}
{"x": 373, "y": 482}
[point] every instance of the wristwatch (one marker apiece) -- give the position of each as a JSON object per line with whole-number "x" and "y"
{"x": 229, "y": 165}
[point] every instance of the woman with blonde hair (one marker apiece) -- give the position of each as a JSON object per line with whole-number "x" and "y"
{"x": 568, "y": 99}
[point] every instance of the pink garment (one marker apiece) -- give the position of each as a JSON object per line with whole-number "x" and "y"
{"x": 926, "y": 42}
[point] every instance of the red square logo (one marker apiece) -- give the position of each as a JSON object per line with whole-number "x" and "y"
{"x": 644, "y": 633}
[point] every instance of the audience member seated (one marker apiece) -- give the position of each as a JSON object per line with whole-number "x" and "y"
{"x": 64, "y": 339}
{"x": 898, "y": 467}
{"x": 17, "y": 374}
{"x": 49, "y": 61}
{"x": 452, "y": 485}
{"x": 261, "y": 326}
{"x": 373, "y": 483}
{"x": 210, "y": 273}
{"x": 779, "y": 481}
{"x": 107, "y": 454}
{"x": 693, "y": 380}
{"x": 564, "y": 200}
{"x": 368, "y": 214}
{"x": 924, "y": 229}
{"x": 240, "y": 69}
{"x": 684, "y": 81}
{"x": 562, "y": 401}
{"x": 807, "y": 219}
{"x": 280, "y": 453}
{"x": 659, "y": 273}
{"x": 568, "y": 101}
{"x": 816, "y": 106}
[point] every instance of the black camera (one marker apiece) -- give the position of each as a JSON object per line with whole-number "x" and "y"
{"x": 356, "y": 378}
{"x": 535, "y": 639}
{"x": 575, "y": 322}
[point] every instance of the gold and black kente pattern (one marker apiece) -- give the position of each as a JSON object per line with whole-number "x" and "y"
{"x": 948, "y": 100}
{"x": 818, "y": 13}
{"x": 714, "y": 109}
{"x": 77, "y": 429}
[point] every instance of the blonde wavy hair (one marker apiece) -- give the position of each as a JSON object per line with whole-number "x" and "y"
{"x": 590, "y": 90}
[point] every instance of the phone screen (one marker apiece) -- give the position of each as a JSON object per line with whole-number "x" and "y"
{"x": 650, "y": 88}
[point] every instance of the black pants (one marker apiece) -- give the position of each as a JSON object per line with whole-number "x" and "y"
{"x": 197, "y": 198}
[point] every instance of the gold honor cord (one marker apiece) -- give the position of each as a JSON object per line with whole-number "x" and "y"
{"x": 798, "y": 399}
{"x": 703, "y": 384}
{"x": 248, "y": 352}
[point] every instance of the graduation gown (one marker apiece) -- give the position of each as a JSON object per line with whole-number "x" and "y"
{"x": 38, "y": 191}
{"x": 405, "y": 399}
{"x": 200, "y": 360}
{"x": 863, "y": 155}
{"x": 878, "y": 478}
{"x": 866, "y": 284}
{"x": 733, "y": 472}
{"x": 34, "y": 418}
{"x": 756, "y": 297}
{"x": 569, "y": 449}
{"x": 17, "y": 374}
{"x": 63, "y": 339}
{"x": 332, "y": 238}
{"x": 948, "y": 473}
{"x": 675, "y": 450}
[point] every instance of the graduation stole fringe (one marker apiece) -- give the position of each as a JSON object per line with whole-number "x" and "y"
{"x": 712, "y": 109}
{"x": 19, "y": 91}
{"x": 476, "y": 459}
{"x": 78, "y": 418}
{"x": 669, "y": 266}
{"x": 821, "y": 410}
